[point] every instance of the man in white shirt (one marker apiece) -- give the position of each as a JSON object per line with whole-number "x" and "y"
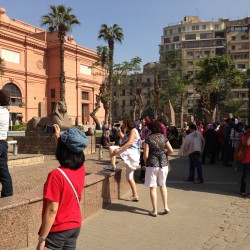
{"x": 5, "y": 178}
{"x": 193, "y": 146}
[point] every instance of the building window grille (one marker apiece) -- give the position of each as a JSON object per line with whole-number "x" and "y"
{"x": 15, "y": 94}
{"x": 85, "y": 96}
{"x": 167, "y": 40}
{"x": 176, "y": 39}
{"x": 205, "y": 35}
{"x": 190, "y": 36}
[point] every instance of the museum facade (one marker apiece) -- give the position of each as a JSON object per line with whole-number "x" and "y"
{"x": 32, "y": 69}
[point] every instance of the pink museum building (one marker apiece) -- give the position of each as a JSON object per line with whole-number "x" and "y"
{"x": 32, "y": 68}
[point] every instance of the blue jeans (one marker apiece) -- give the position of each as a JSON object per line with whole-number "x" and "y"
{"x": 194, "y": 161}
{"x": 5, "y": 178}
{"x": 227, "y": 152}
{"x": 243, "y": 184}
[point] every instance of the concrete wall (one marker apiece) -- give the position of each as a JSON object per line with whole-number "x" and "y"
{"x": 20, "y": 215}
{"x": 39, "y": 144}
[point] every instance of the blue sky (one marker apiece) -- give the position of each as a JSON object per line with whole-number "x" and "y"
{"x": 142, "y": 20}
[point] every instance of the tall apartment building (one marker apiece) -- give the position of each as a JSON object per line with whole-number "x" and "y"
{"x": 123, "y": 93}
{"x": 198, "y": 39}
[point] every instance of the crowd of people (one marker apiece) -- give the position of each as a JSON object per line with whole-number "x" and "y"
{"x": 142, "y": 143}
{"x": 200, "y": 141}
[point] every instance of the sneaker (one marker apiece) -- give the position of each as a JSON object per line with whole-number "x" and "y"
{"x": 151, "y": 213}
{"x": 187, "y": 179}
{"x": 243, "y": 194}
{"x": 198, "y": 181}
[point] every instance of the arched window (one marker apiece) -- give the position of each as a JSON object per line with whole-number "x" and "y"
{"x": 15, "y": 94}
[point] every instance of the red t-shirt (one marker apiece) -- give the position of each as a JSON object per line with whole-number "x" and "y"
{"x": 57, "y": 189}
{"x": 243, "y": 140}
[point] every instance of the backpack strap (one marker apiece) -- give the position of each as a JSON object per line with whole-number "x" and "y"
{"x": 71, "y": 184}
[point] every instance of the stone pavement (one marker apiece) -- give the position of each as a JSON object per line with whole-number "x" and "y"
{"x": 203, "y": 216}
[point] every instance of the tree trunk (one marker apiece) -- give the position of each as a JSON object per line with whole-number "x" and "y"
{"x": 141, "y": 102}
{"x": 97, "y": 107}
{"x": 134, "y": 105}
{"x": 248, "y": 84}
{"x": 62, "y": 73}
{"x": 181, "y": 110}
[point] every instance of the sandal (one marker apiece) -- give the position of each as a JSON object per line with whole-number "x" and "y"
{"x": 166, "y": 211}
{"x": 151, "y": 213}
{"x": 136, "y": 199}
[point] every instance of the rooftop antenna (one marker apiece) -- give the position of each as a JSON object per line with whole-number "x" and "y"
{"x": 196, "y": 12}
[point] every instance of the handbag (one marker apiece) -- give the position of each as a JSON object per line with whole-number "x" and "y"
{"x": 240, "y": 153}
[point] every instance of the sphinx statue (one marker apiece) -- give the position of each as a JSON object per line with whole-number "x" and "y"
{"x": 59, "y": 116}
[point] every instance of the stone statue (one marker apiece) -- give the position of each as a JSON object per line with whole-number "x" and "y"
{"x": 59, "y": 116}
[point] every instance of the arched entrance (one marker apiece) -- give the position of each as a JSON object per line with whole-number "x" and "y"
{"x": 15, "y": 100}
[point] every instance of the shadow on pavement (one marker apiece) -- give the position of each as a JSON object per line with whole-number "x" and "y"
{"x": 218, "y": 179}
{"x": 126, "y": 208}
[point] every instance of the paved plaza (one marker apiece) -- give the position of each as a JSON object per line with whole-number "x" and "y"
{"x": 203, "y": 216}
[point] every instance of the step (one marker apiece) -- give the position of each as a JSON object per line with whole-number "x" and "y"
{"x": 24, "y": 159}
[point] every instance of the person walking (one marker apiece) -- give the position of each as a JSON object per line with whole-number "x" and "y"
{"x": 245, "y": 140}
{"x": 61, "y": 213}
{"x": 193, "y": 146}
{"x": 157, "y": 165}
{"x": 226, "y": 143}
{"x": 211, "y": 144}
{"x": 235, "y": 136}
{"x": 5, "y": 177}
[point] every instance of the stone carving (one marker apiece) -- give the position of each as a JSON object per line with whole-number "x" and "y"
{"x": 59, "y": 116}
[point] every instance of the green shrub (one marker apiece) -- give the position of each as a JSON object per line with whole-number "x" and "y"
{"x": 18, "y": 128}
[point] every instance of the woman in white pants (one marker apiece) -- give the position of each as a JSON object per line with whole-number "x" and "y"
{"x": 157, "y": 165}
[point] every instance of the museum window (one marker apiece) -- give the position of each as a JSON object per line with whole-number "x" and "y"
{"x": 85, "y": 96}
{"x": 15, "y": 94}
{"x": 52, "y": 93}
{"x": 52, "y": 106}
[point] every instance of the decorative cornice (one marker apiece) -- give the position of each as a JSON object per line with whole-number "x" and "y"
{"x": 23, "y": 41}
{"x": 24, "y": 74}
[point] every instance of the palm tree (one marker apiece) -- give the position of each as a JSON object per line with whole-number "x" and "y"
{"x": 2, "y": 66}
{"x": 61, "y": 20}
{"x": 111, "y": 35}
{"x": 103, "y": 95}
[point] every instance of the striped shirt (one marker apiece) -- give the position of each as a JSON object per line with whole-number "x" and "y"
{"x": 4, "y": 122}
